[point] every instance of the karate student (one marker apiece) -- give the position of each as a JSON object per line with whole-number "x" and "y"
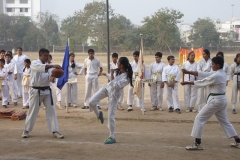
{"x": 10, "y": 67}
{"x": 226, "y": 69}
{"x": 54, "y": 85}
{"x": 235, "y": 76}
{"x": 91, "y": 65}
{"x": 112, "y": 90}
{"x": 19, "y": 59}
{"x": 2, "y": 54}
{"x": 134, "y": 65}
{"x": 73, "y": 87}
{"x": 3, "y": 84}
{"x": 26, "y": 83}
{"x": 40, "y": 92}
{"x": 156, "y": 88}
{"x": 190, "y": 92}
{"x": 113, "y": 66}
{"x": 216, "y": 103}
{"x": 204, "y": 65}
{"x": 171, "y": 76}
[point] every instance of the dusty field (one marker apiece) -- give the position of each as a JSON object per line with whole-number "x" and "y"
{"x": 155, "y": 135}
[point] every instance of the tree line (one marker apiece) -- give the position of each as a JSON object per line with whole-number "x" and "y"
{"x": 88, "y": 26}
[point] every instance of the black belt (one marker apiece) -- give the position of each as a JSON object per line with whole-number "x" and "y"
{"x": 43, "y": 89}
{"x": 215, "y": 94}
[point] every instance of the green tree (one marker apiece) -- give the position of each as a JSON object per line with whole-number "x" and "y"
{"x": 204, "y": 33}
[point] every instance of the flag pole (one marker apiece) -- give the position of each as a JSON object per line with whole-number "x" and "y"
{"x": 67, "y": 86}
{"x": 142, "y": 83}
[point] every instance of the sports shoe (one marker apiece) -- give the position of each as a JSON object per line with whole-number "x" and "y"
{"x": 170, "y": 109}
{"x": 195, "y": 146}
{"x": 4, "y": 106}
{"x": 161, "y": 109}
{"x": 74, "y": 105}
{"x": 178, "y": 111}
{"x": 120, "y": 108}
{"x": 144, "y": 110}
{"x": 84, "y": 107}
{"x": 58, "y": 104}
{"x": 188, "y": 110}
{"x": 110, "y": 140}
{"x": 129, "y": 108}
{"x": 25, "y": 134}
{"x": 154, "y": 108}
{"x": 15, "y": 103}
{"x": 99, "y": 107}
{"x": 236, "y": 145}
{"x": 100, "y": 117}
{"x": 58, "y": 135}
{"x": 234, "y": 111}
{"x": 194, "y": 110}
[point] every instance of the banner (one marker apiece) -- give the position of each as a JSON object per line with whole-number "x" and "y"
{"x": 183, "y": 54}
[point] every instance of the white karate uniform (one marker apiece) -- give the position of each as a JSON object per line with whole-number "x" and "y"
{"x": 215, "y": 104}
{"x": 170, "y": 74}
{"x": 10, "y": 67}
{"x": 156, "y": 92}
{"x": 91, "y": 79}
{"x": 54, "y": 85}
{"x": 190, "y": 91}
{"x": 20, "y": 66}
{"x": 25, "y": 86}
{"x": 203, "y": 66}
{"x": 40, "y": 78}
{"x": 235, "y": 88}
{"x": 73, "y": 87}
{"x": 112, "y": 90}
{"x": 227, "y": 71}
{"x": 130, "y": 100}
{"x": 4, "y": 90}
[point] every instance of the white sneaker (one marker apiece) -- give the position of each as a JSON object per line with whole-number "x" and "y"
{"x": 74, "y": 105}
{"x": 188, "y": 110}
{"x": 195, "y": 146}
{"x": 160, "y": 108}
{"x": 194, "y": 110}
{"x": 58, "y": 104}
{"x": 129, "y": 108}
{"x": 236, "y": 145}
{"x": 120, "y": 108}
{"x": 58, "y": 135}
{"x": 144, "y": 110}
{"x": 25, "y": 134}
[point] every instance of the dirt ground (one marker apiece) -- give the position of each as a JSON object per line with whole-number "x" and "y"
{"x": 155, "y": 135}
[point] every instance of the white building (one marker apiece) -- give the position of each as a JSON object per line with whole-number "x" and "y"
{"x": 30, "y": 8}
{"x": 185, "y": 31}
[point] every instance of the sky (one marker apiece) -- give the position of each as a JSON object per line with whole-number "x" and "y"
{"x": 136, "y": 10}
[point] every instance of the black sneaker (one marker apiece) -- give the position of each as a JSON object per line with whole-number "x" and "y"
{"x": 178, "y": 111}
{"x": 170, "y": 109}
{"x": 84, "y": 107}
{"x": 99, "y": 107}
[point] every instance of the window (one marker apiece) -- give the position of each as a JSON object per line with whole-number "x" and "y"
{"x": 10, "y": 1}
{"x": 23, "y": 1}
{"x": 23, "y": 9}
{"x": 10, "y": 9}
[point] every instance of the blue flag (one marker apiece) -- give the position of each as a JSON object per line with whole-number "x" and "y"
{"x": 64, "y": 78}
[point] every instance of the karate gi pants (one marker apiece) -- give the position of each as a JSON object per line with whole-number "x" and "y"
{"x": 172, "y": 97}
{"x": 190, "y": 96}
{"x": 216, "y": 105}
{"x": 19, "y": 84}
{"x": 5, "y": 95}
{"x": 156, "y": 93}
{"x": 235, "y": 90}
{"x": 121, "y": 98}
{"x": 112, "y": 107}
{"x": 73, "y": 93}
{"x": 12, "y": 91}
{"x": 130, "y": 100}
{"x": 91, "y": 85}
{"x": 58, "y": 91}
{"x": 34, "y": 109}
{"x": 202, "y": 95}
{"x": 25, "y": 96}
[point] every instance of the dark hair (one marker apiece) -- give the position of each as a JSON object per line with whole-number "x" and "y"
{"x": 19, "y": 48}
{"x": 220, "y": 54}
{"x": 2, "y": 60}
{"x": 28, "y": 62}
{"x": 115, "y": 55}
{"x": 90, "y": 50}
{"x": 125, "y": 62}
{"x": 73, "y": 65}
{"x": 50, "y": 56}
{"x": 158, "y": 54}
{"x": 42, "y": 51}
{"x": 2, "y": 51}
{"x": 235, "y": 59}
{"x": 207, "y": 52}
{"x": 8, "y": 55}
{"x": 218, "y": 60}
{"x": 9, "y": 52}
{"x": 170, "y": 57}
{"x": 136, "y": 53}
{"x": 189, "y": 54}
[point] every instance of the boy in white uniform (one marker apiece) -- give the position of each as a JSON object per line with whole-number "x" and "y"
{"x": 235, "y": 76}
{"x": 41, "y": 92}
{"x": 204, "y": 65}
{"x": 171, "y": 76}
{"x": 26, "y": 83}
{"x": 190, "y": 92}
{"x": 91, "y": 65}
{"x": 3, "y": 84}
{"x": 19, "y": 59}
{"x": 134, "y": 65}
{"x": 157, "y": 87}
{"x": 10, "y": 67}
{"x": 216, "y": 103}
